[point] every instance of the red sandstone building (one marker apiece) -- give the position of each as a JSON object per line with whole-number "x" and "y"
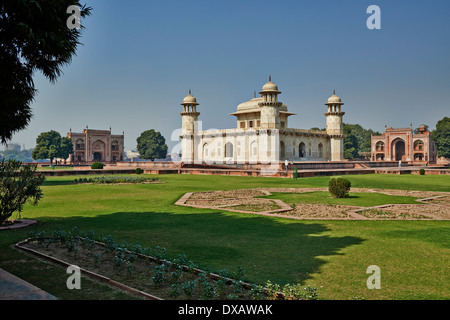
{"x": 401, "y": 144}
{"x": 96, "y": 146}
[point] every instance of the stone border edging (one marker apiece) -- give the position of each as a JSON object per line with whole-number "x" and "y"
{"x": 122, "y": 286}
{"x": 91, "y": 274}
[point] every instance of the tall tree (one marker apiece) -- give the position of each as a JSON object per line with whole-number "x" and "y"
{"x": 34, "y": 36}
{"x": 66, "y": 148}
{"x": 441, "y": 137}
{"x": 50, "y": 145}
{"x": 358, "y": 140}
{"x": 151, "y": 145}
{"x": 350, "y": 146}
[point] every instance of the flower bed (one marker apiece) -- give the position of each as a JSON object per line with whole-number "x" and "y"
{"x": 147, "y": 270}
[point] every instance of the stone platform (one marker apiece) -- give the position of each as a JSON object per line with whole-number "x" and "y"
{"x": 305, "y": 169}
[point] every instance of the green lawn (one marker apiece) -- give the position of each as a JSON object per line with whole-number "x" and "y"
{"x": 360, "y": 199}
{"x": 330, "y": 255}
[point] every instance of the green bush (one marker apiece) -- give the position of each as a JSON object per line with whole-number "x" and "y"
{"x": 97, "y": 165}
{"x": 422, "y": 171}
{"x": 339, "y": 187}
{"x": 139, "y": 171}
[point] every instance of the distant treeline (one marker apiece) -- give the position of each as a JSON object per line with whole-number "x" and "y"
{"x": 15, "y": 152}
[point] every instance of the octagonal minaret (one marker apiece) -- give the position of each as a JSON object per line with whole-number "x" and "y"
{"x": 270, "y": 107}
{"x": 189, "y": 118}
{"x": 335, "y": 127}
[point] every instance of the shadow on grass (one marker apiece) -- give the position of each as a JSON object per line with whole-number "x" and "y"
{"x": 276, "y": 249}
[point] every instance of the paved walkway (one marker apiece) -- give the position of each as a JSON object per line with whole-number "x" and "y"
{"x": 14, "y": 288}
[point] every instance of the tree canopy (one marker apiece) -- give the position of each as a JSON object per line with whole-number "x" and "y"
{"x": 358, "y": 140}
{"x": 151, "y": 145}
{"x": 50, "y": 145}
{"x": 441, "y": 137}
{"x": 33, "y": 37}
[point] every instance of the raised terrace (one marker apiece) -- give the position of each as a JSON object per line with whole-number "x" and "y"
{"x": 304, "y": 169}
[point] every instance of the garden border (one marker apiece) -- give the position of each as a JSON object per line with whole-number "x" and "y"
{"x": 355, "y": 213}
{"x": 86, "y": 272}
{"x": 106, "y": 280}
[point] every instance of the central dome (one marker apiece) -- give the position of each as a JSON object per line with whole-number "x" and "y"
{"x": 253, "y": 106}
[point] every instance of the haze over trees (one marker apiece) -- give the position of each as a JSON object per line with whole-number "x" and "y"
{"x": 33, "y": 37}
{"x": 15, "y": 152}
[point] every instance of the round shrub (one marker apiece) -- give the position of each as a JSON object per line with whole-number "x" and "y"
{"x": 97, "y": 165}
{"x": 339, "y": 187}
{"x": 422, "y": 171}
{"x": 139, "y": 171}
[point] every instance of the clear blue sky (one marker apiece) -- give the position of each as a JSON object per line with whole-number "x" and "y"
{"x": 140, "y": 58}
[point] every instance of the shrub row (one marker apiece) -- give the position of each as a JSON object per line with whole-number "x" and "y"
{"x": 119, "y": 179}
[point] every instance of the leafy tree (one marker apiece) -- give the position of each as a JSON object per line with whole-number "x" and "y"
{"x": 66, "y": 148}
{"x": 50, "y": 145}
{"x": 358, "y": 140}
{"x": 441, "y": 137}
{"x": 18, "y": 184}
{"x": 350, "y": 144}
{"x": 33, "y": 37}
{"x": 151, "y": 145}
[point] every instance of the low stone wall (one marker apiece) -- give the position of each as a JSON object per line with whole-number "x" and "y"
{"x": 75, "y": 172}
{"x": 145, "y": 164}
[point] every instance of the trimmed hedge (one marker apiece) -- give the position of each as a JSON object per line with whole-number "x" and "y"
{"x": 116, "y": 179}
{"x": 339, "y": 187}
{"x": 97, "y": 165}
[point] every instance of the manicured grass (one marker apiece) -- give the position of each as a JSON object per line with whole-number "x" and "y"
{"x": 330, "y": 255}
{"x": 360, "y": 199}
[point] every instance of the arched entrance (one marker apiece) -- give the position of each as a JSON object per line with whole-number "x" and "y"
{"x": 398, "y": 149}
{"x": 282, "y": 150}
{"x": 320, "y": 150}
{"x": 229, "y": 150}
{"x": 301, "y": 150}
{"x": 98, "y": 153}
{"x": 253, "y": 151}
{"x": 97, "y": 156}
